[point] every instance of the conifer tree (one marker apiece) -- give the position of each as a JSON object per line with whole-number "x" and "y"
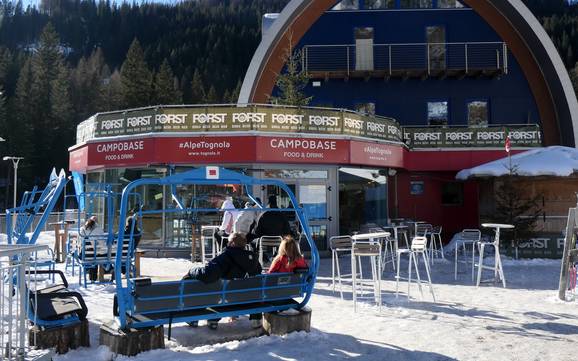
{"x": 112, "y": 97}
{"x": 292, "y": 81}
{"x": 20, "y": 123}
{"x": 198, "y": 94}
{"x": 47, "y": 66}
{"x": 166, "y": 88}
{"x": 135, "y": 78}
{"x": 212, "y": 97}
{"x": 87, "y": 82}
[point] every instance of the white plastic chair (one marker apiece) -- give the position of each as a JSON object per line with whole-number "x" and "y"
{"x": 468, "y": 238}
{"x": 372, "y": 250}
{"x": 418, "y": 247}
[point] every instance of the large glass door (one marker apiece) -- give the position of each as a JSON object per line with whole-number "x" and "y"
{"x": 314, "y": 193}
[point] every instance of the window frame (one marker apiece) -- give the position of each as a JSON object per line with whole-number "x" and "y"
{"x": 488, "y": 111}
{"x": 448, "y": 107}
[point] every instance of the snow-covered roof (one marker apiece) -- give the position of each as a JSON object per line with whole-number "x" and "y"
{"x": 554, "y": 161}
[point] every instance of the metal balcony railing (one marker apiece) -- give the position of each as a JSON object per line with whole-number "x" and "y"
{"x": 429, "y": 59}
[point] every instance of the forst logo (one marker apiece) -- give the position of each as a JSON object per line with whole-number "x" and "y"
{"x": 111, "y": 124}
{"x": 171, "y": 118}
{"x": 213, "y": 118}
{"x": 143, "y": 121}
{"x": 289, "y": 119}
{"x": 249, "y": 117}
{"x": 323, "y": 121}
{"x": 353, "y": 123}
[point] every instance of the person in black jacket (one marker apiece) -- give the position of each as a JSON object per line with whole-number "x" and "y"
{"x": 233, "y": 262}
{"x": 271, "y": 223}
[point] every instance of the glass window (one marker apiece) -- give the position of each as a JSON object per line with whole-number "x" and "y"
{"x": 478, "y": 113}
{"x": 448, "y": 4}
{"x": 379, "y": 4}
{"x": 365, "y": 108}
{"x": 416, "y": 4}
{"x": 453, "y": 194}
{"x": 362, "y": 198}
{"x": 437, "y": 113}
{"x": 313, "y": 199}
{"x": 347, "y": 5}
{"x": 295, "y": 173}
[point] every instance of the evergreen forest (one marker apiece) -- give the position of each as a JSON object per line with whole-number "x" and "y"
{"x": 64, "y": 60}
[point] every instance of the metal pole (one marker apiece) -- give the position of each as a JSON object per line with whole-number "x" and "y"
{"x": 15, "y": 162}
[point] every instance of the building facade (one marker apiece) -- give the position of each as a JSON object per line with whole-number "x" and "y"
{"x": 432, "y": 87}
{"x": 451, "y": 72}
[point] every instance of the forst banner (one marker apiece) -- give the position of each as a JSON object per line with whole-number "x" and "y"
{"x": 230, "y": 119}
{"x": 520, "y": 136}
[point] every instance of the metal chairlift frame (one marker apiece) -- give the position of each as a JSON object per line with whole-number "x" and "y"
{"x": 203, "y": 176}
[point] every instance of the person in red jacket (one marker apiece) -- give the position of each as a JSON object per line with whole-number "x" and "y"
{"x": 288, "y": 258}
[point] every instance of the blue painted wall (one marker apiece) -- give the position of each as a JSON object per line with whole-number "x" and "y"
{"x": 510, "y": 99}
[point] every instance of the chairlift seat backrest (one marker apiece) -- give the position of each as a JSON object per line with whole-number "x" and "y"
{"x": 283, "y": 285}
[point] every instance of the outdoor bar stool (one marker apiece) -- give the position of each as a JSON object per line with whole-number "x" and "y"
{"x": 435, "y": 242}
{"x": 372, "y": 250}
{"x": 340, "y": 245}
{"x": 402, "y": 231}
{"x": 418, "y": 247}
{"x": 268, "y": 241}
{"x": 389, "y": 248}
{"x": 497, "y": 267}
{"x": 467, "y": 238}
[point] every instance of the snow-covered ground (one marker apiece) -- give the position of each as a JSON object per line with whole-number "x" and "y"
{"x": 525, "y": 321}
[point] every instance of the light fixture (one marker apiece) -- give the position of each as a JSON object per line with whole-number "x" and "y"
{"x": 391, "y": 172}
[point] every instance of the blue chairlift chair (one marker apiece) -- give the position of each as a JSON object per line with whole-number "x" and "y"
{"x": 54, "y": 305}
{"x": 31, "y": 216}
{"x": 140, "y": 302}
{"x": 99, "y": 250}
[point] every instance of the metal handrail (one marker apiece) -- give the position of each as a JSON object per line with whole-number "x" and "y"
{"x": 428, "y": 57}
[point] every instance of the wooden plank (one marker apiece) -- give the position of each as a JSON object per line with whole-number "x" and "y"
{"x": 569, "y": 245}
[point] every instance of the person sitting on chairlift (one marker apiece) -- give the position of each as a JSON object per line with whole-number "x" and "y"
{"x": 226, "y": 227}
{"x": 89, "y": 230}
{"x": 288, "y": 258}
{"x": 233, "y": 262}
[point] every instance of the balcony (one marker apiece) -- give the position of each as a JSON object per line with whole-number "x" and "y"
{"x": 417, "y": 60}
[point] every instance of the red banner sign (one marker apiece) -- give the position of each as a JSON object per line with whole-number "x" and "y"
{"x": 383, "y": 155}
{"x": 222, "y": 149}
{"x": 302, "y": 150}
{"x": 78, "y": 159}
{"x": 205, "y": 150}
{"x": 121, "y": 153}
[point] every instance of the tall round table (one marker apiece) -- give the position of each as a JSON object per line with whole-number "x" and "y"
{"x": 498, "y": 269}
